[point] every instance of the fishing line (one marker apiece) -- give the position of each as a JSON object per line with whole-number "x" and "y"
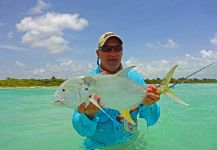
{"x": 183, "y": 80}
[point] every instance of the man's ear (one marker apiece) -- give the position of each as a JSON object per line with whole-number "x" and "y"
{"x": 97, "y": 53}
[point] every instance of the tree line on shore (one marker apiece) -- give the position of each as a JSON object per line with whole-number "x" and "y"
{"x": 12, "y": 82}
{"x": 53, "y": 81}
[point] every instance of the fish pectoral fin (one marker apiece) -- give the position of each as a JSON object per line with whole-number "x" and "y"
{"x": 126, "y": 115}
{"x": 94, "y": 101}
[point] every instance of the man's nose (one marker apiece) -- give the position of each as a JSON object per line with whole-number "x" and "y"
{"x": 113, "y": 50}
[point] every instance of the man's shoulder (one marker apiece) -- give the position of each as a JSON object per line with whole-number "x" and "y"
{"x": 95, "y": 71}
{"x": 134, "y": 74}
{"x": 136, "y": 77}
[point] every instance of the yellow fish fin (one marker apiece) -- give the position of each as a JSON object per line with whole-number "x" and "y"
{"x": 164, "y": 87}
{"x": 125, "y": 113}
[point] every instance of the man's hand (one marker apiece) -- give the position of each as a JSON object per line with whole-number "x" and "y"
{"x": 90, "y": 110}
{"x": 152, "y": 95}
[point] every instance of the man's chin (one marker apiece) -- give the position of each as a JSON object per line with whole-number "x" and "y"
{"x": 114, "y": 67}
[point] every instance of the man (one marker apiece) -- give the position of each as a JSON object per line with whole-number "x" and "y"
{"x": 89, "y": 121}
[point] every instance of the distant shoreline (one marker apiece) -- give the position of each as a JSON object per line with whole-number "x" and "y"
{"x": 30, "y": 83}
{"x": 32, "y": 87}
{"x": 54, "y": 82}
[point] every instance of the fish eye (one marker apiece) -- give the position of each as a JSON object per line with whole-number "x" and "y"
{"x": 86, "y": 89}
{"x": 63, "y": 90}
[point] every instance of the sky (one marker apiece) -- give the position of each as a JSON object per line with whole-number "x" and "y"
{"x": 45, "y": 38}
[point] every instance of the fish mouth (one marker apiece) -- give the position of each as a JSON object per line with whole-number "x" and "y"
{"x": 59, "y": 99}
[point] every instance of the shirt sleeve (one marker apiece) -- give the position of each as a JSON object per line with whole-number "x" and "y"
{"x": 149, "y": 113}
{"x": 83, "y": 125}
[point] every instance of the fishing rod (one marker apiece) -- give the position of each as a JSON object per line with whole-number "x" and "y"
{"x": 182, "y": 81}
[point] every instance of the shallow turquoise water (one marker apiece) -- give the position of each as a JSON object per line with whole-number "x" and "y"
{"x": 29, "y": 120}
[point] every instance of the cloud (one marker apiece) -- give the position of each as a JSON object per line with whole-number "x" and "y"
{"x": 19, "y": 64}
{"x": 208, "y": 53}
{"x": 64, "y": 69}
{"x": 12, "y": 47}
{"x": 67, "y": 68}
{"x": 169, "y": 44}
{"x": 214, "y": 40}
{"x": 189, "y": 56}
{"x": 154, "y": 69}
{"x": 149, "y": 70}
{"x": 187, "y": 65}
{"x": 40, "y": 6}
{"x": 46, "y": 31}
{"x": 39, "y": 72}
{"x": 10, "y": 35}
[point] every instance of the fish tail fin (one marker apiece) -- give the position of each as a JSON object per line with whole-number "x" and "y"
{"x": 164, "y": 87}
{"x": 126, "y": 115}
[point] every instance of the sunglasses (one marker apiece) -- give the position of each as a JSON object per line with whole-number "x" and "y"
{"x": 117, "y": 48}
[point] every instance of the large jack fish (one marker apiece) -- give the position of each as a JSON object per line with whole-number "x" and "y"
{"x": 116, "y": 91}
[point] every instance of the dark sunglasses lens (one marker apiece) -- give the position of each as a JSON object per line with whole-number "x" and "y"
{"x": 106, "y": 49}
{"x": 118, "y": 48}
{"x": 109, "y": 48}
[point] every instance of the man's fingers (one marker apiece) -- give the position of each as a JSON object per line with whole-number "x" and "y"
{"x": 153, "y": 96}
{"x": 99, "y": 101}
{"x": 155, "y": 91}
{"x": 119, "y": 118}
{"x": 91, "y": 106}
{"x": 90, "y": 109}
{"x": 96, "y": 97}
{"x": 153, "y": 86}
{"x": 81, "y": 107}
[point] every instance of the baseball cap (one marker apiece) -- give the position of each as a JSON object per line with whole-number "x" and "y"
{"x": 106, "y": 36}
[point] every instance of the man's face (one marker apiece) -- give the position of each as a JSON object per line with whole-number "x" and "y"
{"x": 110, "y": 60}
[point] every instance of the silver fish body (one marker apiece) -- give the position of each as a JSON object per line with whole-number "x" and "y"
{"x": 116, "y": 92}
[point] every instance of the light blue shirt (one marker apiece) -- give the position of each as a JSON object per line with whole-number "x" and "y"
{"x": 102, "y": 130}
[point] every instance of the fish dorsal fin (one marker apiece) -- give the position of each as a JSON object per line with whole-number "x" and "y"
{"x": 123, "y": 73}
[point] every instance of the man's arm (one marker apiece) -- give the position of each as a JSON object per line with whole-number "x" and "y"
{"x": 84, "y": 120}
{"x": 150, "y": 113}
{"x": 84, "y": 125}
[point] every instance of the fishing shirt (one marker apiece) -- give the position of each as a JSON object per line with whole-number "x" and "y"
{"x": 102, "y": 130}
